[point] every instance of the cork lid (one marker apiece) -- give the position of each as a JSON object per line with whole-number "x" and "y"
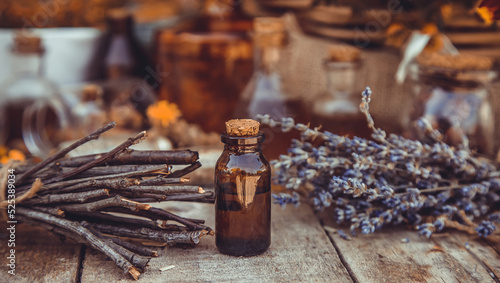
{"x": 91, "y": 93}
{"x": 27, "y": 43}
{"x": 242, "y": 128}
{"x": 343, "y": 53}
{"x": 269, "y": 31}
{"x": 456, "y": 62}
{"x": 268, "y": 25}
{"x": 119, "y": 13}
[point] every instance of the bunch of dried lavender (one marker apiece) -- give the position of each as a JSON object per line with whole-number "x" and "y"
{"x": 389, "y": 179}
{"x": 78, "y": 198}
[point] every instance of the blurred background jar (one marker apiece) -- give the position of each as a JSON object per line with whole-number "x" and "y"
{"x": 130, "y": 75}
{"x": 265, "y": 92}
{"x": 209, "y": 61}
{"x": 336, "y": 108}
{"x": 32, "y": 107}
{"x": 452, "y": 93}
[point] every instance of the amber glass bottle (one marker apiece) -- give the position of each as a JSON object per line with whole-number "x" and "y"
{"x": 243, "y": 194}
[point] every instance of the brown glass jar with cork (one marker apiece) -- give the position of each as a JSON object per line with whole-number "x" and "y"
{"x": 243, "y": 191}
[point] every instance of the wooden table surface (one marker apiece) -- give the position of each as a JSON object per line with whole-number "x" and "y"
{"x": 304, "y": 248}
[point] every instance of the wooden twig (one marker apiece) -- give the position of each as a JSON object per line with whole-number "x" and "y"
{"x": 159, "y": 214}
{"x": 133, "y": 247}
{"x": 95, "y": 135}
{"x": 208, "y": 196}
{"x": 30, "y": 193}
{"x": 109, "y": 202}
{"x": 169, "y": 237}
{"x": 92, "y": 184}
{"x": 65, "y": 198}
{"x": 205, "y": 197}
{"x": 137, "y": 260}
{"x": 161, "y": 170}
{"x": 159, "y": 181}
{"x": 99, "y": 217}
{"x": 49, "y": 210}
{"x": 84, "y": 233}
{"x": 101, "y": 160}
{"x": 96, "y": 171}
{"x": 165, "y": 190}
{"x": 185, "y": 171}
{"x": 172, "y": 157}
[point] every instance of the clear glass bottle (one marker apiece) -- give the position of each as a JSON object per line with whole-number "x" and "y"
{"x": 32, "y": 106}
{"x": 452, "y": 93}
{"x": 336, "y": 109}
{"x": 243, "y": 196}
{"x": 265, "y": 93}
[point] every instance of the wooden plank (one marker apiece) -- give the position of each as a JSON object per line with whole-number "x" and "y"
{"x": 478, "y": 261}
{"x": 474, "y": 38}
{"x": 300, "y": 252}
{"x": 41, "y": 256}
{"x": 385, "y": 256}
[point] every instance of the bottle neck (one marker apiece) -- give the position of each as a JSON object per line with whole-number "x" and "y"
{"x": 242, "y": 144}
{"x": 341, "y": 78}
{"x": 266, "y": 59}
{"x": 27, "y": 64}
{"x": 243, "y": 148}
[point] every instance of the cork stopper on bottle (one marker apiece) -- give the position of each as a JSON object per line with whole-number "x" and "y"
{"x": 91, "y": 93}
{"x": 269, "y": 31}
{"x": 27, "y": 43}
{"x": 343, "y": 53}
{"x": 268, "y": 25}
{"x": 242, "y": 128}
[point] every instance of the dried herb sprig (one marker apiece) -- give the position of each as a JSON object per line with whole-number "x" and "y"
{"x": 388, "y": 179}
{"x": 75, "y": 198}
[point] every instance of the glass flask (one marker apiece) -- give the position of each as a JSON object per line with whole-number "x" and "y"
{"x": 265, "y": 93}
{"x": 243, "y": 196}
{"x": 452, "y": 93}
{"x": 336, "y": 109}
{"x": 32, "y": 106}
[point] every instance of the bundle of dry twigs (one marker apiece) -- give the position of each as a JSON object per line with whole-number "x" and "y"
{"x": 99, "y": 200}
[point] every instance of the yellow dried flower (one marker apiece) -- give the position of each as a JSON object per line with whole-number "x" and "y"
{"x": 163, "y": 113}
{"x": 13, "y": 154}
{"x": 486, "y": 14}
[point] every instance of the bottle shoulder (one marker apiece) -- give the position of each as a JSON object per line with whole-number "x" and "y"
{"x": 254, "y": 162}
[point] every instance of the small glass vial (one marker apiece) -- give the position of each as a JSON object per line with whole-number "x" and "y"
{"x": 452, "y": 93}
{"x": 243, "y": 191}
{"x": 336, "y": 109}
{"x": 89, "y": 114}
{"x": 33, "y": 107}
{"x": 264, "y": 93}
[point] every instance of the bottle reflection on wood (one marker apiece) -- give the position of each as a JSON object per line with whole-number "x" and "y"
{"x": 243, "y": 193}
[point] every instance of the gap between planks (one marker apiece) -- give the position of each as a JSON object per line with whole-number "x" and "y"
{"x": 341, "y": 256}
{"x": 383, "y": 257}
